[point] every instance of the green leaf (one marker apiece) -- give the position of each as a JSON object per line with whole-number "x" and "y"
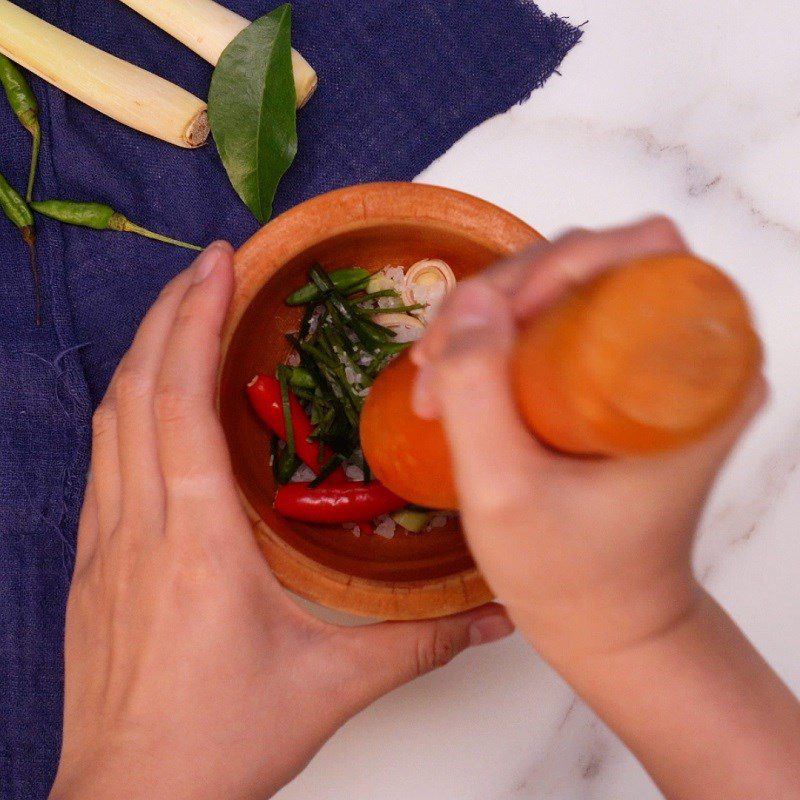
{"x": 252, "y": 109}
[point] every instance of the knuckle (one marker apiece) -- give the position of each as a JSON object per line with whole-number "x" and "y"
{"x": 499, "y": 504}
{"x": 195, "y": 573}
{"x": 434, "y": 650}
{"x": 127, "y": 538}
{"x": 574, "y": 236}
{"x": 189, "y": 316}
{"x": 191, "y": 575}
{"x": 665, "y": 229}
{"x": 571, "y": 262}
{"x": 564, "y": 259}
{"x": 174, "y": 289}
{"x": 130, "y": 383}
{"x": 198, "y": 483}
{"x": 104, "y": 420}
{"x": 172, "y": 404}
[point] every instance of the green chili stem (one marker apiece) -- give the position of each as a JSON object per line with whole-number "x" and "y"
{"x": 29, "y": 237}
{"x": 20, "y": 215}
{"x": 121, "y": 223}
{"x": 36, "y": 143}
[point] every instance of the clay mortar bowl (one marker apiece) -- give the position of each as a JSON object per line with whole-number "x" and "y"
{"x": 370, "y": 226}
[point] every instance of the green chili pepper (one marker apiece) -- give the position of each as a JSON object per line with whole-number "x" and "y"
{"x": 346, "y": 281}
{"x": 23, "y": 103}
{"x": 100, "y": 217}
{"x": 17, "y": 210}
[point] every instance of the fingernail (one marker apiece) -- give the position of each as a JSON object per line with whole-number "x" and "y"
{"x": 422, "y": 401}
{"x": 207, "y": 260}
{"x": 471, "y": 309}
{"x": 490, "y": 629}
{"x": 478, "y": 318}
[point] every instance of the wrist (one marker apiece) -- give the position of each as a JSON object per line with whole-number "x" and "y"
{"x": 609, "y": 619}
{"x": 133, "y": 771}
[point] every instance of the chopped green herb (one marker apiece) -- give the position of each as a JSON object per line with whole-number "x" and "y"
{"x": 341, "y": 350}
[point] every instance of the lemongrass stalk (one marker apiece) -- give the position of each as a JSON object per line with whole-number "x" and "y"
{"x": 208, "y": 28}
{"x": 120, "y": 90}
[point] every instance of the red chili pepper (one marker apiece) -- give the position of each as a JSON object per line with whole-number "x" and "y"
{"x": 264, "y": 392}
{"x": 341, "y": 502}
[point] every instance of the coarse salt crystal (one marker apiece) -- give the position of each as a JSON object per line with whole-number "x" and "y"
{"x": 407, "y": 334}
{"x": 397, "y": 275}
{"x": 303, "y": 474}
{"x": 386, "y": 527}
{"x": 354, "y": 472}
{"x": 315, "y": 318}
{"x": 350, "y": 374}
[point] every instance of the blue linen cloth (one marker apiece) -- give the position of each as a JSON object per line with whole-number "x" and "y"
{"x": 400, "y": 82}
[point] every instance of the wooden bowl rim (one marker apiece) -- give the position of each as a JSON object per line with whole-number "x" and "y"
{"x": 265, "y": 253}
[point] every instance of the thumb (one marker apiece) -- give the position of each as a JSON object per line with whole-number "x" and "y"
{"x": 386, "y": 655}
{"x": 495, "y": 458}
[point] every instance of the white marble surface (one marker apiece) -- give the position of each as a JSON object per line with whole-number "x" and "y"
{"x": 693, "y": 109}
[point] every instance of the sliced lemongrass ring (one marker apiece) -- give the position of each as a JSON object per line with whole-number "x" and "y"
{"x": 428, "y": 281}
